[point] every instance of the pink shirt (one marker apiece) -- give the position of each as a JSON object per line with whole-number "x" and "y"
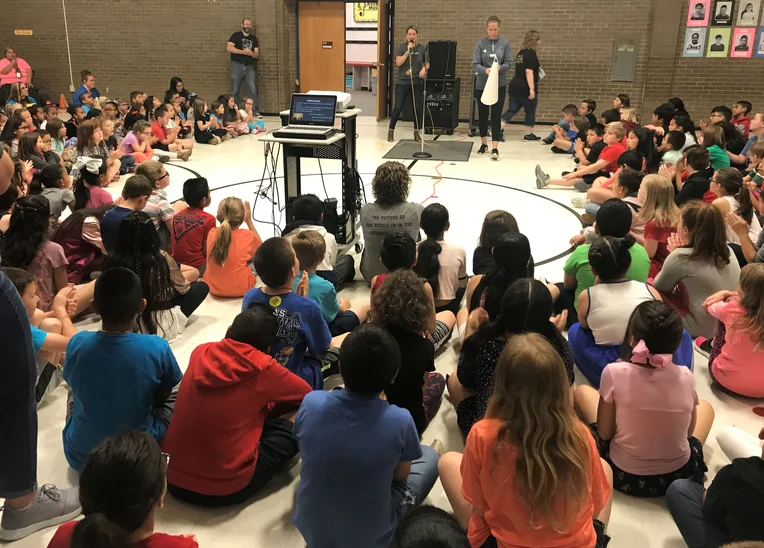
{"x": 49, "y": 256}
{"x": 739, "y": 367}
{"x": 653, "y": 413}
{"x": 11, "y": 78}
{"x": 98, "y": 197}
{"x": 128, "y": 142}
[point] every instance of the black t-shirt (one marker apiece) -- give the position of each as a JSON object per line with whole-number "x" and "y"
{"x": 526, "y": 60}
{"x": 243, "y": 41}
{"x": 735, "y": 498}
{"x": 111, "y": 143}
{"x": 204, "y": 119}
{"x": 417, "y": 357}
{"x": 592, "y": 119}
{"x": 595, "y": 151}
{"x": 482, "y": 260}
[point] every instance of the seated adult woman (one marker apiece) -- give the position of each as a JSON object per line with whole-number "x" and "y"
{"x": 176, "y": 86}
{"x": 170, "y": 299}
{"x": 90, "y": 176}
{"x": 389, "y": 213}
{"x": 525, "y": 307}
{"x": 91, "y": 144}
{"x": 20, "y": 94}
{"x": 700, "y": 263}
{"x": 734, "y": 197}
{"x": 80, "y": 237}
{"x": 495, "y": 224}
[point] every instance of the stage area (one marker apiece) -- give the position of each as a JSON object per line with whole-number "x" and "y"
{"x": 442, "y": 149}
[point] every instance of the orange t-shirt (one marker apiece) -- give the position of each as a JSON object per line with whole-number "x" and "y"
{"x": 491, "y": 487}
{"x": 234, "y": 277}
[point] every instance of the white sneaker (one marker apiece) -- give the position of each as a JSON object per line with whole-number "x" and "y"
{"x": 579, "y": 202}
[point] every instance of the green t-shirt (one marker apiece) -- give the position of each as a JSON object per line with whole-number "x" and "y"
{"x": 578, "y": 265}
{"x": 719, "y": 158}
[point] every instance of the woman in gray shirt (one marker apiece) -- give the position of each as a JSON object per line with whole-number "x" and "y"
{"x": 702, "y": 262}
{"x": 390, "y": 213}
{"x": 482, "y": 60}
{"x": 413, "y": 63}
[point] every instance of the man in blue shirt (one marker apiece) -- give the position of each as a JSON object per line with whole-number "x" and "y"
{"x": 362, "y": 464}
{"x": 119, "y": 379}
{"x": 88, "y": 86}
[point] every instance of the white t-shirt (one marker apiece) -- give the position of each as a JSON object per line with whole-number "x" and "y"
{"x": 610, "y": 308}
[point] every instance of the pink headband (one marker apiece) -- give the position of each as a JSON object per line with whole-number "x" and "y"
{"x": 641, "y": 354}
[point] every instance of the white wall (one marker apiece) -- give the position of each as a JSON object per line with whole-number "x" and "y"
{"x": 359, "y": 53}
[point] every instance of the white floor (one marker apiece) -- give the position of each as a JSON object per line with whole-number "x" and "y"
{"x": 265, "y": 522}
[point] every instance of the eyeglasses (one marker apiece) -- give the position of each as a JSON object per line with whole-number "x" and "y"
{"x": 163, "y": 176}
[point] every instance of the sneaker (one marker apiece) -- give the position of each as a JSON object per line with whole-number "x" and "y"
{"x": 483, "y": 149}
{"x": 495, "y": 154}
{"x": 539, "y": 171}
{"x": 547, "y": 140}
{"x": 256, "y": 114}
{"x": 564, "y": 173}
{"x": 542, "y": 179}
{"x": 581, "y": 186}
{"x": 51, "y": 506}
{"x": 226, "y": 137}
{"x": 437, "y": 446}
{"x": 579, "y": 202}
{"x": 163, "y": 159}
{"x": 390, "y": 135}
{"x": 703, "y": 346}
{"x": 531, "y": 137}
{"x": 557, "y": 150}
{"x": 184, "y": 155}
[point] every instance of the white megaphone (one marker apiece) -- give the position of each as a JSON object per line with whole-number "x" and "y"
{"x": 491, "y": 92}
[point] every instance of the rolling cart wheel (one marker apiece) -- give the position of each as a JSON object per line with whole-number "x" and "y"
{"x": 471, "y": 133}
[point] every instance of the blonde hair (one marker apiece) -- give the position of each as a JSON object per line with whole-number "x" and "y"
{"x": 310, "y": 247}
{"x": 151, "y": 169}
{"x": 531, "y": 39}
{"x": 230, "y": 216}
{"x": 531, "y": 397}
{"x": 752, "y": 284}
{"x": 629, "y": 114}
{"x": 616, "y": 128}
{"x": 659, "y": 206}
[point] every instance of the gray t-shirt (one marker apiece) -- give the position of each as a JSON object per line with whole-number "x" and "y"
{"x": 59, "y": 199}
{"x": 414, "y": 63}
{"x": 377, "y": 222}
{"x": 702, "y": 280}
{"x": 482, "y": 58}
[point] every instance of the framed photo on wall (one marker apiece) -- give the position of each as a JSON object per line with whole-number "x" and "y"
{"x": 694, "y": 42}
{"x": 723, "y": 13}
{"x": 699, "y": 13}
{"x": 748, "y": 13}
{"x": 742, "y": 42}
{"x": 718, "y": 42}
{"x": 760, "y": 42}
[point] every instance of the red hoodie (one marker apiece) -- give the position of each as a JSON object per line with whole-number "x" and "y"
{"x": 226, "y": 394}
{"x": 743, "y": 125}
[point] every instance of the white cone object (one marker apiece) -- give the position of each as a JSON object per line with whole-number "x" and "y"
{"x": 491, "y": 92}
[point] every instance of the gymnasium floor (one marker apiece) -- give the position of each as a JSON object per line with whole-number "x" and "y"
{"x": 469, "y": 190}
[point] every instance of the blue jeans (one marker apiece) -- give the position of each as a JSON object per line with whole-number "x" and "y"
{"x": 516, "y": 103}
{"x": 411, "y": 493}
{"x": 402, "y": 92}
{"x": 562, "y": 124}
{"x": 685, "y": 502}
{"x": 592, "y": 208}
{"x": 246, "y": 73}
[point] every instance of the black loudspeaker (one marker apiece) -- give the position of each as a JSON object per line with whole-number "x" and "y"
{"x": 442, "y": 59}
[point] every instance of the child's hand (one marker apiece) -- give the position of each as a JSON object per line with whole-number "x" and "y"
{"x": 668, "y": 171}
{"x": 344, "y": 304}
{"x": 703, "y": 124}
{"x": 477, "y": 317}
{"x": 737, "y": 224}
{"x": 65, "y": 301}
{"x": 717, "y": 298}
{"x": 674, "y": 241}
{"x": 577, "y": 240}
{"x": 302, "y": 286}
{"x": 560, "y": 321}
{"x": 247, "y": 210}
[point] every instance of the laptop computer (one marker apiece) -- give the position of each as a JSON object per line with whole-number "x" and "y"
{"x": 310, "y": 117}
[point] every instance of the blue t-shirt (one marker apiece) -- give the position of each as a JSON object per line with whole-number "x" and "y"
{"x": 350, "y": 446}
{"x": 323, "y": 292}
{"x": 301, "y": 328}
{"x": 110, "y": 225}
{"x": 38, "y": 338}
{"x": 114, "y": 379}
{"x": 751, "y": 140}
{"x": 94, "y": 93}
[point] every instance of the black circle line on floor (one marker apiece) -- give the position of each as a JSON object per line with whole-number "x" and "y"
{"x": 194, "y": 173}
{"x": 538, "y": 263}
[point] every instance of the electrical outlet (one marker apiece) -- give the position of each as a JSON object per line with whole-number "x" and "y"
{"x": 71, "y": 88}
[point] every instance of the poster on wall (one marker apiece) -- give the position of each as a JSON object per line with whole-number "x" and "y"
{"x": 718, "y": 42}
{"x": 742, "y": 42}
{"x": 748, "y": 13}
{"x": 694, "y": 42}
{"x": 365, "y": 12}
{"x": 760, "y": 42}
{"x": 699, "y": 13}
{"x": 722, "y": 13}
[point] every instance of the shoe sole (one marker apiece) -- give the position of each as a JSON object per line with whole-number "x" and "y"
{"x": 700, "y": 351}
{"x": 17, "y": 534}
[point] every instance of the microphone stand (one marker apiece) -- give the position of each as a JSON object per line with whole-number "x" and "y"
{"x": 422, "y": 154}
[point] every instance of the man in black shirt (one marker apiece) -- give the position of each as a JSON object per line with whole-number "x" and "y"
{"x": 244, "y": 49}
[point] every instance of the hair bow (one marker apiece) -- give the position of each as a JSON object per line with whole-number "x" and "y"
{"x": 90, "y": 163}
{"x": 641, "y": 354}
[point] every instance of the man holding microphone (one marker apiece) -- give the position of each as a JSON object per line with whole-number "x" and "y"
{"x": 244, "y": 49}
{"x": 413, "y": 62}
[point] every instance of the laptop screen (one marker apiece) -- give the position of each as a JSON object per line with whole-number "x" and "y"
{"x": 312, "y": 110}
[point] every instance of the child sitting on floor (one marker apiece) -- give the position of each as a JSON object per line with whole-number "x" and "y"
{"x": 122, "y": 486}
{"x": 310, "y": 248}
{"x": 302, "y": 327}
{"x": 119, "y": 379}
{"x": 736, "y": 357}
{"x": 647, "y": 406}
{"x": 379, "y": 469}
{"x": 135, "y": 196}
{"x": 442, "y": 264}
{"x": 530, "y": 474}
{"x": 159, "y": 207}
{"x": 755, "y": 164}
{"x": 230, "y": 250}
{"x": 568, "y": 112}
{"x": 167, "y": 139}
{"x": 587, "y": 108}
{"x": 671, "y": 147}
{"x": 696, "y": 165}
{"x": 740, "y": 119}
{"x": 206, "y": 129}
{"x": 588, "y": 153}
{"x": 661, "y": 217}
{"x": 192, "y": 225}
{"x": 565, "y": 141}
{"x": 402, "y": 307}
{"x": 715, "y": 144}
{"x": 236, "y": 383}
{"x": 625, "y": 187}
{"x": 429, "y": 526}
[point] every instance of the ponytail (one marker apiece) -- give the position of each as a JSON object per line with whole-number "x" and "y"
{"x": 230, "y": 215}
{"x": 731, "y": 180}
{"x": 83, "y": 176}
{"x": 47, "y": 177}
{"x": 434, "y": 222}
{"x": 222, "y": 243}
{"x": 610, "y": 257}
{"x": 512, "y": 255}
{"x": 98, "y": 531}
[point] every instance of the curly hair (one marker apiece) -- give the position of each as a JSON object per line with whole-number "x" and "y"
{"x": 402, "y": 302}
{"x": 391, "y": 184}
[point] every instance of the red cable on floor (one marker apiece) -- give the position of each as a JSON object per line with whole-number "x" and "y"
{"x": 433, "y": 195}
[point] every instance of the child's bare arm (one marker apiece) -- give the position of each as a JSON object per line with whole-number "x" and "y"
{"x": 606, "y": 419}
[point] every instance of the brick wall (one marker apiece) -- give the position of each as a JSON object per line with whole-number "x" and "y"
{"x": 576, "y": 51}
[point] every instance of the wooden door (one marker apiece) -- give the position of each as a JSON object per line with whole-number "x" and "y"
{"x": 383, "y": 58}
{"x": 322, "y": 46}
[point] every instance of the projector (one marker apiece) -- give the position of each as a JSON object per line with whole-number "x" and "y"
{"x": 343, "y": 99}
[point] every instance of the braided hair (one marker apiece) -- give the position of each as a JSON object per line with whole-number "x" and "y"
{"x": 28, "y": 230}
{"x": 137, "y": 248}
{"x": 658, "y": 325}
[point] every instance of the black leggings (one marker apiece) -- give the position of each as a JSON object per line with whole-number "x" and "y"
{"x": 495, "y": 110}
{"x": 191, "y": 299}
{"x": 402, "y": 93}
{"x": 207, "y": 136}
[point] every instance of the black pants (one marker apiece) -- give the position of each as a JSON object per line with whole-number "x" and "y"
{"x": 18, "y": 413}
{"x": 277, "y": 446}
{"x": 343, "y": 272}
{"x": 454, "y": 305}
{"x": 495, "y": 111}
{"x": 191, "y": 300}
{"x": 566, "y": 302}
{"x": 403, "y": 92}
